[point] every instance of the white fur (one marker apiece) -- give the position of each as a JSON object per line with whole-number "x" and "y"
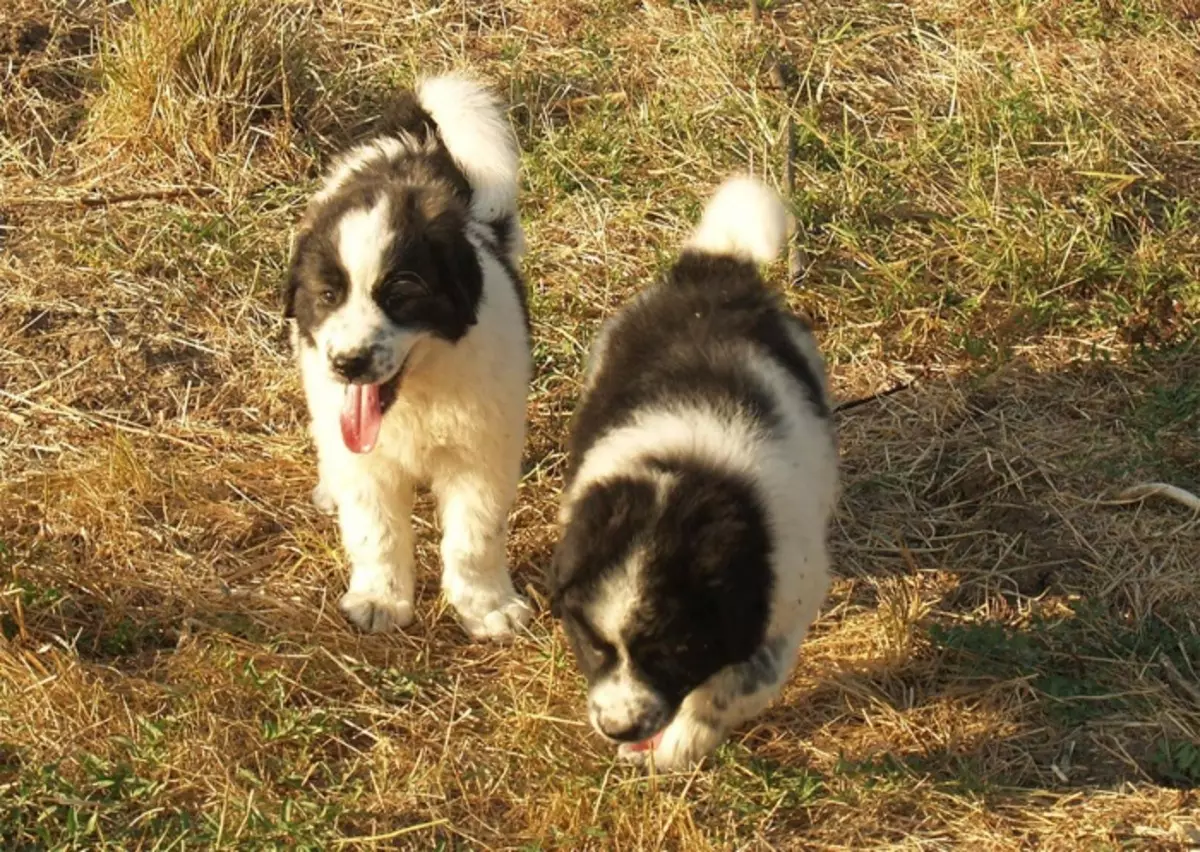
{"x": 710, "y": 713}
{"x": 363, "y": 240}
{"x": 619, "y": 699}
{"x": 380, "y": 148}
{"x": 359, "y": 323}
{"x": 458, "y": 422}
{"x": 796, "y": 474}
{"x": 744, "y": 219}
{"x": 472, "y": 126}
{"x": 474, "y": 131}
{"x": 794, "y": 469}
{"x": 792, "y": 463}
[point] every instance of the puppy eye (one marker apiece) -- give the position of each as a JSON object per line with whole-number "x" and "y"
{"x": 604, "y": 650}
{"x": 397, "y": 299}
{"x": 328, "y": 296}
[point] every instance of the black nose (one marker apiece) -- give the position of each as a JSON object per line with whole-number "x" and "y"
{"x": 643, "y": 729}
{"x": 351, "y": 365}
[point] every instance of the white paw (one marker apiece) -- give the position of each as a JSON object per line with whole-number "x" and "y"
{"x": 376, "y": 612}
{"x": 633, "y": 753}
{"x": 683, "y": 745}
{"x": 323, "y": 499}
{"x": 496, "y": 620}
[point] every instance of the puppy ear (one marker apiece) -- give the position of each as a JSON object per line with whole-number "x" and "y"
{"x": 602, "y": 525}
{"x": 714, "y": 527}
{"x": 291, "y": 284}
{"x": 456, "y": 262}
{"x": 562, "y": 568}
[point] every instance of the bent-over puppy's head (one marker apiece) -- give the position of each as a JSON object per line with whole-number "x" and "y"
{"x": 661, "y": 581}
{"x": 379, "y": 267}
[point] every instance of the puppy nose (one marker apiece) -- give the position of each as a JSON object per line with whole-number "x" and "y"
{"x": 351, "y": 365}
{"x": 642, "y": 729}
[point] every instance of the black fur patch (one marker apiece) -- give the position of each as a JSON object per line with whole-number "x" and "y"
{"x": 433, "y": 279}
{"x": 705, "y": 583}
{"x": 674, "y": 344}
{"x": 760, "y": 313}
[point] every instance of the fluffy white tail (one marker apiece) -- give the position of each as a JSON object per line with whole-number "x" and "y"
{"x": 744, "y": 219}
{"x": 471, "y": 121}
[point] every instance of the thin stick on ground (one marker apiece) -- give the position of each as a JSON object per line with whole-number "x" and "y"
{"x": 102, "y": 200}
{"x": 1145, "y": 490}
{"x": 1182, "y": 685}
{"x": 855, "y": 403}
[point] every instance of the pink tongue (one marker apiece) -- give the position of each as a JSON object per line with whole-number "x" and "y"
{"x": 645, "y": 745}
{"x": 361, "y": 416}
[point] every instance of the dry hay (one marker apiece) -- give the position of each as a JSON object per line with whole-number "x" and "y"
{"x": 994, "y": 203}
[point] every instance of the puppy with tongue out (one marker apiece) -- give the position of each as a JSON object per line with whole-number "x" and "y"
{"x": 412, "y": 342}
{"x": 362, "y": 414}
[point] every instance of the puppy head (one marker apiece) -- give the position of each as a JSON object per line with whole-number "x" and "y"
{"x": 379, "y": 266}
{"x": 660, "y": 581}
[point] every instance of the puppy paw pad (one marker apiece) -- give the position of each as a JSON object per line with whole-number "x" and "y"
{"x": 376, "y": 613}
{"x": 500, "y": 623}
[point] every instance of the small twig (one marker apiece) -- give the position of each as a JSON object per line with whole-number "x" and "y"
{"x": 1182, "y": 685}
{"x": 855, "y": 403}
{"x": 1142, "y": 491}
{"x": 98, "y": 418}
{"x": 101, "y": 200}
{"x": 755, "y": 11}
{"x": 391, "y": 835}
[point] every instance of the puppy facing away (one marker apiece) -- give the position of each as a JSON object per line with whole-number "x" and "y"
{"x": 412, "y": 340}
{"x": 702, "y": 477}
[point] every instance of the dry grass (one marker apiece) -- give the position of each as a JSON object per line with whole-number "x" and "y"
{"x": 997, "y": 198}
{"x": 193, "y": 83}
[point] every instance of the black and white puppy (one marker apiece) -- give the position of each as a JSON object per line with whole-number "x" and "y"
{"x": 702, "y": 477}
{"x": 412, "y": 341}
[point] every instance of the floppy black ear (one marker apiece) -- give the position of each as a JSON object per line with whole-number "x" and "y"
{"x": 716, "y": 526}
{"x": 563, "y": 566}
{"x": 605, "y": 521}
{"x": 291, "y": 284}
{"x": 456, "y": 263}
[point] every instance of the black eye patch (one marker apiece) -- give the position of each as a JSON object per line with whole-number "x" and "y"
{"x": 401, "y": 287}
{"x": 407, "y": 296}
{"x": 594, "y": 651}
{"x": 330, "y": 285}
{"x": 316, "y": 285}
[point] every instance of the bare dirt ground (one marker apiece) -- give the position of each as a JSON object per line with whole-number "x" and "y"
{"x": 997, "y": 198}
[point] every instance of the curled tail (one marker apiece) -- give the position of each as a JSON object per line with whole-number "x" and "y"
{"x": 744, "y": 219}
{"x": 473, "y": 128}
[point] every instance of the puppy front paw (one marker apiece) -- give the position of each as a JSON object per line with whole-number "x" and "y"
{"x": 682, "y": 746}
{"x": 376, "y": 612}
{"x": 497, "y": 620}
{"x": 322, "y": 498}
